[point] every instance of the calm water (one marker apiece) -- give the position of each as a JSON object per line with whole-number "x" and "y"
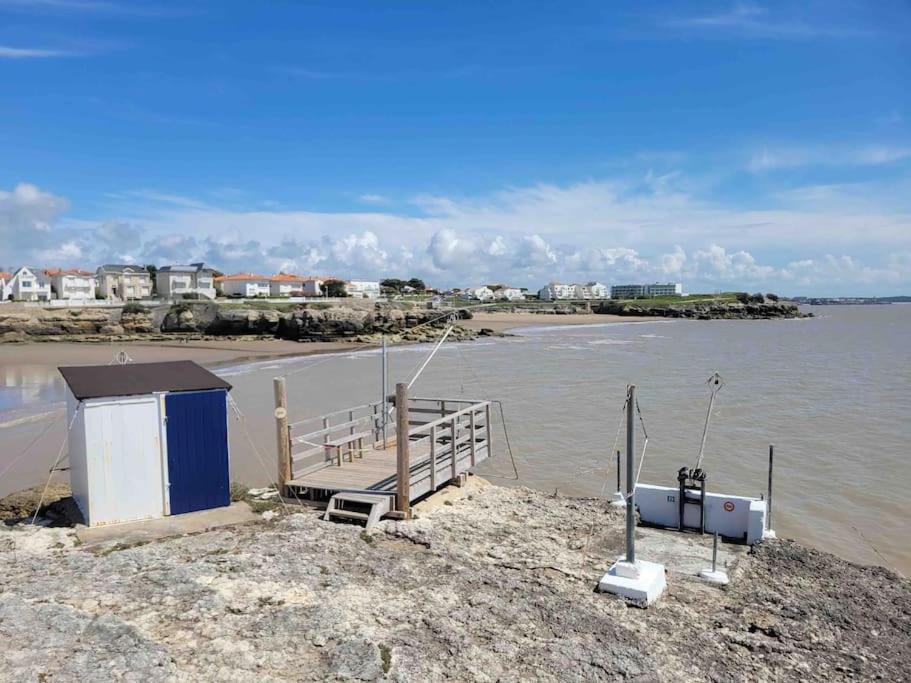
{"x": 832, "y": 393}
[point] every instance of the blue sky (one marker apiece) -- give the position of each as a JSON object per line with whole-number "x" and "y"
{"x": 728, "y": 145}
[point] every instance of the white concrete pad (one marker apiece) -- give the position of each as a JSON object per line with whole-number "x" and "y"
{"x": 768, "y": 533}
{"x": 618, "y": 500}
{"x": 642, "y": 582}
{"x": 718, "y": 576}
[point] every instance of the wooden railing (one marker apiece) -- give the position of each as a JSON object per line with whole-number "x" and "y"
{"x": 310, "y": 439}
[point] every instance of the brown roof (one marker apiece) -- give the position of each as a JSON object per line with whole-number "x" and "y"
{"x": 51, "y": 272}
{"x": 5, "y": 276}
{"x": 99, "y": 381}
{"x": 285, "y": 277}
{"x": 242, "y": 276}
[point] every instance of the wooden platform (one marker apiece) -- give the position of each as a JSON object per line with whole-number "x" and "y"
{"x": 446, "y": 438}
{"x": 375, "y": 471}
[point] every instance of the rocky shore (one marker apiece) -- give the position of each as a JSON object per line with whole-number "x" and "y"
{"x": 495, "y": 585}
{"x": 211, "y": 320}
{"x": 711, "y": 309}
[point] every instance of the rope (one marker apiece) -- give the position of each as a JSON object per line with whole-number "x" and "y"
{"x": 56, "y": 462}
{"x": 432, "y": 354}
{"x": 716, "y": 384}
{"x": 243, "y": 420}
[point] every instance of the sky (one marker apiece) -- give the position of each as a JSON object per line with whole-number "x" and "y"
{"x": 727, "y": 145}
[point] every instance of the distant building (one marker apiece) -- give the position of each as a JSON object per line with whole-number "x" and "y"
{"x": 4, "y": 277}
{"x": 24, "y": 284}
{"x": 509, "y": 294}
{"x": 284, "y": 284}
{"x": 313, "y": 286}
{"x": 557, "y": 290}
{"x": 246, "y": 285}
{"x": 482, "y": 293}
{"x": 592, "y": 290}
{"x": 174, "y": 281}
{"x": 123, "y": 282}
{"x": 649, "y": 290}
{"x": 71, "y": 285}
{"x": 363, "y": 289}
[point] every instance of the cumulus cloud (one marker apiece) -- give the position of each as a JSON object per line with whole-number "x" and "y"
{"x": 609, "y": 231}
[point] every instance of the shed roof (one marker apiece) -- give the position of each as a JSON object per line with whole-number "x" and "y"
{"x": 99, "y": 381}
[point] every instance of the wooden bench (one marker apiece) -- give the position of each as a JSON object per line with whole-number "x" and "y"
{"x": 338, "y": 446}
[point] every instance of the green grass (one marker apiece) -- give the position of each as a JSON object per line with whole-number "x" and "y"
{"x": 259, "y": 306}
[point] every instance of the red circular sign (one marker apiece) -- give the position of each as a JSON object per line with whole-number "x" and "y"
{"x": 728, "y": 506}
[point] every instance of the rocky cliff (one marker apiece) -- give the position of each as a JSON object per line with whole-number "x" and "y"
{"x": 18, "y": 323}
{"x": 713, "y": 309}
{"x": 497, "y": 585}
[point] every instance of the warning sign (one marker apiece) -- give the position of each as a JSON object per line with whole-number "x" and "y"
{"x": 728, "y": 506}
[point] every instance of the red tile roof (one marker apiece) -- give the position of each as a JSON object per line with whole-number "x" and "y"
{"x": 242, "y": 276}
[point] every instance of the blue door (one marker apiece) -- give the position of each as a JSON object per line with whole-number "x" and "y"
{"x": 197, "y": 427}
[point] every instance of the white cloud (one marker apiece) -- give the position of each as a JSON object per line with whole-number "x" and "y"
{"x": 747, "y": 20}
{"x": 8, "y": 52}
{"x": 794, "y": 157}
{"x": 610, "y": 230}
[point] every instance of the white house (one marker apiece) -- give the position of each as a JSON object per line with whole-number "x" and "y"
{"x": 312, "y": 286}
{"x": 592, "y": 290}
{"x": 72, "y": 285}
{"x": 123, "y": 282}
{"x": 4, "y": 277}
{"x": 482, "y": 293}
{"x": 509, "y": 294}
{"x": 26, "y": 285}
{"x": 245, "y": 285}
{"x": 557, "y": 290}
{"x": 284, "y": 284}
{"x": 364, "y": 289}
{"x": 175, "y": 281}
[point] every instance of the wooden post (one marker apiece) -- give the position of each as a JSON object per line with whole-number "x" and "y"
{"x": 403, "y": 457}
{"x": 281, "y": 434}
{"x": 471, "y": 429}
{"x": 433, "y": 458}
{"x": 487, "y": 429}
{"x": 453, "y": 428}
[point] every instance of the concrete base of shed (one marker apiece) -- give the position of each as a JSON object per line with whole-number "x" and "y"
{"x": 163, "y": 527}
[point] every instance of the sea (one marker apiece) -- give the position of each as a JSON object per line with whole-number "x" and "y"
{"x": 832, "y": 393}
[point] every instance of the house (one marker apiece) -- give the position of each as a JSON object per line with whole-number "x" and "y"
{"x": 71, "y": 285}
{"x": 25, "y": 284}
{"x": 4, "y": 277}
{"x": 509, "y": 294}
{"x": 557, "y": 290}
{"x": 245, "y": 285}
{"x": 639, "y": 291}
{"x": 592, "y": 290}
{"x": 482, "y": 293}
{"x": 176, "y": 281}
{"x": 284, "y": 284}
{"x": 146, "y": 440}
{"x": 364, "y": 289}
{"x": 123, "y": 282}
{"x": 313, "y": 286}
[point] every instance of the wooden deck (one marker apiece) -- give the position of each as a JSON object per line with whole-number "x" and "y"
{"x": 441, "y": 447}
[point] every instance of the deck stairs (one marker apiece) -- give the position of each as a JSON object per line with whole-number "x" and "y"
{"x": 359, "y": 505}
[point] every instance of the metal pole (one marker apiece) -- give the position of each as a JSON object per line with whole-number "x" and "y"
{"x": 630, "y": 485}
{"x": 714, "y": 552}
{"x": 768, "y": 512}
{"x": 618, "y": 471}
{"x": 385, "y": 381}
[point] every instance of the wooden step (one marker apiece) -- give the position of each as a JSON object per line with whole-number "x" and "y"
{"x": 350, "y": 514}
{"x": 378, "y": 503}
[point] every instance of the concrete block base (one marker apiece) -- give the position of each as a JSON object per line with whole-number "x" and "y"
{"x": 718, "y": 576}
{"x": 642, "y": 582}
{"x": 768, "y": 533}
{"x": 618, "y": 500}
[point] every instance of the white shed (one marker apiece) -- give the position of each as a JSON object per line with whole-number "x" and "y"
{"x": 147, "y": 440}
